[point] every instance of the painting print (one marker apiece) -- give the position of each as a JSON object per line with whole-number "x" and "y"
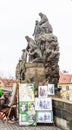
{"x": 23, "y": 90}
{"x": 51, "y": 89}
{"x": 43, "y": 104}
{"x": 31, "y": 117}
{"x": 31, "y": 106}
{"x": 23, "y": 119}
{"x": 30, "y": 87}
{"x": 27, "y": 118}
{"x": 26, "y": 92}
{"x": 23, "y": 107}
{"x": 31, "y": 113}
{"x": 42, "y": 91}
{"x": 44, "y": 117}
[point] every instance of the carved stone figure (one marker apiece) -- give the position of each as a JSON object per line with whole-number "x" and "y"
{"x": 18, "y": 70}
{"x": 38, "y": 30}
{"x": 31, "y": 43}
{"x": 44, "y": 18}
{"x": 33, "y": 50}
{"x": 45, "y": 23}
{"x": 24, "y": 55}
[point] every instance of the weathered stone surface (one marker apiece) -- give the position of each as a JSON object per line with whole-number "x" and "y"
{"x": 39, "y": 61}
{"x": 62, "y": 109}
{"x": 35, "y": 73}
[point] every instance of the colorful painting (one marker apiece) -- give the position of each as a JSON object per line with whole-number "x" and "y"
{"x": 43, "y": 104}
{"x": 44, "y": 117}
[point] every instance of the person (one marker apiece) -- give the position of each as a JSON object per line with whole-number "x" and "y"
{"x": 5, "y": 104}
{"x": 13, "y": 115}
{"x": 2, "y": 100}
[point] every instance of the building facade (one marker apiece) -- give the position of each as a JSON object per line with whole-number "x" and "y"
{"x": 6, "y": 84}
{"x": 65, "y": 83}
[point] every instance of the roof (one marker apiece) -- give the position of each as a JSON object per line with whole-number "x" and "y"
{"x": 65, "y": 78}
{"x": 8, "y": 82}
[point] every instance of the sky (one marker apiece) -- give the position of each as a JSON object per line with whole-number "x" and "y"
{"x": 17, "y": 19}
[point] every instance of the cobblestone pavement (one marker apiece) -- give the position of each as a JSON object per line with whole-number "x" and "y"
{"x": 7, "y": 126}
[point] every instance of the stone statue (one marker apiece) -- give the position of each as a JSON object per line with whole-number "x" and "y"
{"x": 38, "y": 30}
{"x": 31, "y": 43}
{"x": 18, "y": 69}
{"x": 40, "y": 58}
{"x": 43, "y": 17}
{"x": 24, "y": 55}
{"x": 42, "y": 26}
{"x": 45, "y": 23}
{"x": 33, "y": 50}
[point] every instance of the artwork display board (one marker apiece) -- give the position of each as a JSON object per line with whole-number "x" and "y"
{"x": 27, "y": 115}
{"x": 43, "y": 104}
{"x": 44, "y": 117}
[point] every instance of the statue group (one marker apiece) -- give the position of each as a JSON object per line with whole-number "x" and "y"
{"x": 44, "y": 49}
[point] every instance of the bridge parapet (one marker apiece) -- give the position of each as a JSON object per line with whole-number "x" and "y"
{"x": 62, "y": 111}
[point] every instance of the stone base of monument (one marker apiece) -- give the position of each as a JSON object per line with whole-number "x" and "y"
{"x": 35, "y": 72}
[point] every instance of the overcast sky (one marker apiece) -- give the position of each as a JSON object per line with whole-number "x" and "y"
{"x": 17, "y": 19}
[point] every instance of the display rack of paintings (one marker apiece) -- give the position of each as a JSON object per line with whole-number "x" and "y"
{"x": 43, "y": 104}
{"x": 27, "y": 115}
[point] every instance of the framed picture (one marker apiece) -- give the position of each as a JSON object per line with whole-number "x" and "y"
{"x": 44, "y": 117}
{"x": 51, "y": 89}
{"x": 43, "y": 104}
{"x": 27, "y": 118}
{"x": 26, "y": 92}
{"x": 32, "y": 117}
{"x": 23, "y": 107}
{"x": 42, "y": 91}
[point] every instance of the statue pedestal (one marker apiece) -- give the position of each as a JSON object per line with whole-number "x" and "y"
{"x": 35, "y": 72}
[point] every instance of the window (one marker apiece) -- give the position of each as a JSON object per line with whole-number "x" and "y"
{"x": 67, "y": 87}
{"x": 67, "y": 97}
